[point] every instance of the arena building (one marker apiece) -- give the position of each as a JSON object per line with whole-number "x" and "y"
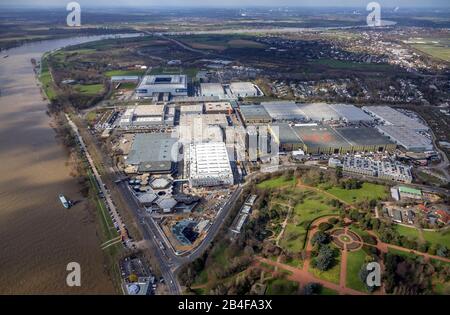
{"x": 153, "y": 85}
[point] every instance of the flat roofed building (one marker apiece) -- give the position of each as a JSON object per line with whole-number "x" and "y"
{"x": 319, "y": 112}
{"x": 191, "y": 109}
{"x": 149, "y": 110}
{"x": 351, "y": 113}
{"x": 218, "y": 108}
{"x": 125, "y": 79}
{"x": 208, "y": 164}
{"x": 393, "y": 117}
{"x": 245, "y": 89}
{"x": 366, "y": 139}
{"x": 322, "y": 140}
{"x": 152, "y": 152}
{"x": 212, "y": 89}
{"x": 286, "y": 137}
{"x": 174, "y": 85}
{"x": 254, "y": 114}
{"x": 407, "y": 138}
{"x": 204, "y": 119}
{"x": 284, "y": 111}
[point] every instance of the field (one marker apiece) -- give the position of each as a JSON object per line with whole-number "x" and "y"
{"x": 124, "y": 73}
{"x": 89, "y": 89}
{"x": 368, "y": 191}
{"x": 331, "y": 275}
{"x": 281, "y": 287}
{"x": 355, "y": 260}
{"x": 276, "y": 183}
{"x": 47, "y": 81}
{"x": 312, "y": 206}
{"x": 434, "y": 238}
{"x": 438, "y": 48}
{"x": 438, "y": 238}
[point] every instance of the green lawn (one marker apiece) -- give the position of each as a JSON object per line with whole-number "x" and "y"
{"x": 355, "y": 260}
{"x": 402, "y": 253}
{"x": 327, "y": 291}
{"x": 124, "y": 73}
{"x": 89, "y": 89}
{"x": 331, "y": 275}
{"x": 46, "y": 80}
{"x": 276, "y": 182}
{"x": 437, "y": 238}
{"x": 314, "y": 205}
{"x": 410, "y": 232}
{"x": 368, "y": 191}
{"x": 281, "y": 287}
{"x": 435, "y": 50}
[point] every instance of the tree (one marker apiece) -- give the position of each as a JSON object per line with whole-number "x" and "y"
{"x": 324, "y": 226}
{"x": 320, "y": 238}
{"x": 325, "y": 258}
{"x": 442, "y": 251}
{"x": 313, "y": 288}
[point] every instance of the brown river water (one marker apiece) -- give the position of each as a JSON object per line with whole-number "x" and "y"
{"x": 38, "y": 237}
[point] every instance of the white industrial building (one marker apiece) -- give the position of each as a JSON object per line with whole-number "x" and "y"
{"x": 407, "y": 138}
{"x": 191, "y": 109}
{"x": 169, "y": 85}
{"x": 208, "y": 164}
{"x": 245, "y": 89}
{"x": 212, "y": 89}
{"x": 147, "y": 116}
{"x": 284, "y": 111}
{"x": 390, "y": 116}
{"x": 350, "y": 113}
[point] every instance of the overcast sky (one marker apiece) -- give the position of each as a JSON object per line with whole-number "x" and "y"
{"x": 230, "y": 3}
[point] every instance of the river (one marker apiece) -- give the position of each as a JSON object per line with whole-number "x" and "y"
{"x": 38, "y": 236}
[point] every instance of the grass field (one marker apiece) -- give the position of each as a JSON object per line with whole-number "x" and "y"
{"x": 410, "y": 232}
{"x": 313, "y": 206}
{"x": 355, "y": 260}
{"x": 331, "y": 275}
{"x": 402, "y": 253}
{"x": 276, "y": 183}
{"x": 191, "y": 72}
{"x": 124, "y": 73}
{"x": 368, "y": 191}
{"x": 327, "y": 291}
{"x": 46, "y": 80}
{"x": 437, "y": 238}
{"x": 90, "y": 89}
{"x": 281, "y": 287}
{"x": 438, "y": 48}
{"x": 434, "y": 238}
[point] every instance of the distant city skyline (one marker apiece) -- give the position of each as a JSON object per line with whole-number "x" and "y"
{"x": 228, "y": 3}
